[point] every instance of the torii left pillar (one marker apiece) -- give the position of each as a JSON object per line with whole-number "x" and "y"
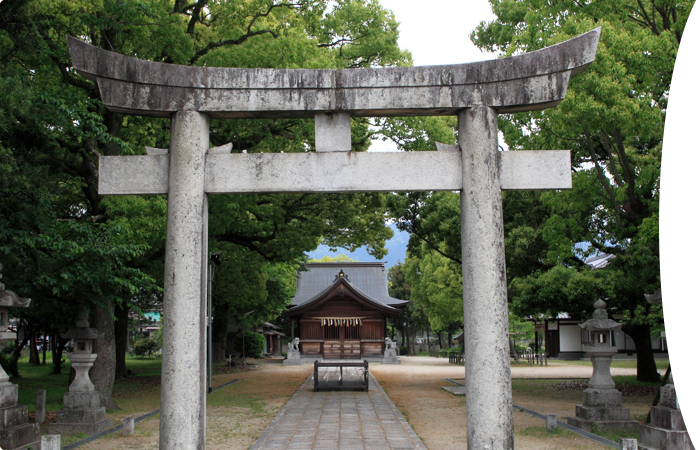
{"x": 182, "y": 423}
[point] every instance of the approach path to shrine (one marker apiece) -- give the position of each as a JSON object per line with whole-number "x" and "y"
{"x": 339, "y": 420}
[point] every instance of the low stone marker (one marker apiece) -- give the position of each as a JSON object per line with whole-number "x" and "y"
{"x": 40, "y": 406}
{"x": 666, "y": 429}
{"x": 293, "y": 358}
{"x": 81, "y": 412}
{"x": 50, "y": 442}
{"x": 551, "y": 422}
{"x": 15, "y": 432}
{"x": 128, "y": 426}
{"x": 390, "y": 356}
{"x": 601, "y": 402}
{"x": 628, "y": 444}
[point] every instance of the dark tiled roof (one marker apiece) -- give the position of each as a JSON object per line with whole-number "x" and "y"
{"x": 369, "y": 279}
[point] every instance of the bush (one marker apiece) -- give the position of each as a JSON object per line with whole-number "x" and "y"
{"x": 9, "y": 363}
{"x": 144, "y": 347}
{"x": 254, "y": 343}
{"x": 403, "y": 351}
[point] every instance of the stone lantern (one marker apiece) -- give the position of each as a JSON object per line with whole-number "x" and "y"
{"x": 601, "y": 401}
{"x": 15, "y": 432}
{"x": 81, "y": 411}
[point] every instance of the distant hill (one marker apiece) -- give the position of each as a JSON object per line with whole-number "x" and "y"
{"x": 396, "y": 246}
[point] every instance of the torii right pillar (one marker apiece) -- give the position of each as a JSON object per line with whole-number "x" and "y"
{"x": 485, "y": 287}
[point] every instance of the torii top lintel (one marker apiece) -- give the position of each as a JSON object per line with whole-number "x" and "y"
{"x": 531, "y": 81}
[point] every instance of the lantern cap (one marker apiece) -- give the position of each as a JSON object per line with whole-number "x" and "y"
{"x": 600, "y": 320}
{"x": 9, "y": 298}
{"x": 82, "y": 331}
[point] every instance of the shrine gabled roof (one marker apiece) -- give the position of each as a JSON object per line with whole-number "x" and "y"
{"x": 367, "y": 280}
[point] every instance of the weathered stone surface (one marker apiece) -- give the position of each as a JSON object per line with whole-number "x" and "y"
{"x": 668, "y": 396}
{"x": 628, "y": 444}
{"x": 182, "y": 424}
{"x": 601, "y": 397}
{"x": 334, "y": 172}
{"x": 532, "y": 81}
{"x": 19, "y": 436}
{"x": 50, "y": 442}
{"x": 84, "y": 428}
{"x": 551, "y": 422}
{"x": 332, "y": 132}
{"x": 13, "y": 416}
{"x": 128, "y": 426}
{"x": 8, "y": 394}
{"x": 603, "y": 425}
{"x": 80, "y": 415}
{"x": 663, "y": 439}
{"x": 455, "y": 390}
{"x": 134, "y": 174}
{"x": 668, "y": 418}
{"x": 535, "y": 169}
{"x": 489, "y": 390}
{"x": 40, "y": 406}
{"x": 81, "y": 400}
{"x": 595, "y": 413}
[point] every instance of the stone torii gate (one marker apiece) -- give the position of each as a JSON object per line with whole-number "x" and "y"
{"x": 189, "y": 170}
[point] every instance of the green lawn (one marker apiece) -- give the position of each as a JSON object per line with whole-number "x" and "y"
{"x": 623, "y": 364}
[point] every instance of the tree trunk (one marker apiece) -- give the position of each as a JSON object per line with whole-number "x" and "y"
{"x": 20, "y": 346}
{"x": 513, "y": 350}
{"x": 57, "y": 352}
{"x": 220, "y": 330}
{"x": 439, "y": 339}
{"x": 408, "y": 340}
{"x": 104, "y": 370}
{"x": 427, "y": 335}
{"x": 33, "y": 352}
{"x": 646, "y": 368}
{"x": 121, "y": 336}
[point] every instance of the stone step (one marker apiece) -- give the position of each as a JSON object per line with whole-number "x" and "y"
{"x": 645, "y": 447}
{"x": 74, "y": 428}
{"x": 12, "y": 416}
{"x": 667, "y": 418}
{"x": 663, "y": 439}
{"x": 20, "y": 436}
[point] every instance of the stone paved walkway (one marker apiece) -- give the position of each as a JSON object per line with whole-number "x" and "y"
{"x": 339, "y": 421}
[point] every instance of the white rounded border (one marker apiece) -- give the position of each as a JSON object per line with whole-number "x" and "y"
{"x": 677, "y": 226}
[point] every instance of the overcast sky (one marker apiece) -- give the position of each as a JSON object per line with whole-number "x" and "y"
{"x": 437, "y": 32}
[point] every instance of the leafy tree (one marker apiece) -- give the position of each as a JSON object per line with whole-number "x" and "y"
{"x": 436, "y": 287}
{"x": 106, "y": 255}
{"x": 145, "y": 346}
{"x": 338, "y": 258}
{"x": 612, "y": 120}
{"x": 253, "y": 344}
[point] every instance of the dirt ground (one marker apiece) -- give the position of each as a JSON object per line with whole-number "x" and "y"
{"x": 439, "y": 418}
{"x": 239, "y": 412}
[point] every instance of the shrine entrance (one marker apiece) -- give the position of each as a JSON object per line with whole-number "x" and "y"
{"x": 190, "y": 170}
{"x": 342, "y": 309}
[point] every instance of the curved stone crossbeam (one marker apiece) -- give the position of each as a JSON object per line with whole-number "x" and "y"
{"x": 535, "y": 80}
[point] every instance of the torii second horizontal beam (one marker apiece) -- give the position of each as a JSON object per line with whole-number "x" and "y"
{"x": 334, "y": 172}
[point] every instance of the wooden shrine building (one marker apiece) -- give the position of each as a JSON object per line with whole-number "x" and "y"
{"x": 342, "y": 310}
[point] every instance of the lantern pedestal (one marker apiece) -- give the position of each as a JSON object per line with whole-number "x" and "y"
{"x": 601, "y": 403}
{"x": 15, "y": 432}
{"x": 81, "y": 411}
{"x": 666, "y": 430}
